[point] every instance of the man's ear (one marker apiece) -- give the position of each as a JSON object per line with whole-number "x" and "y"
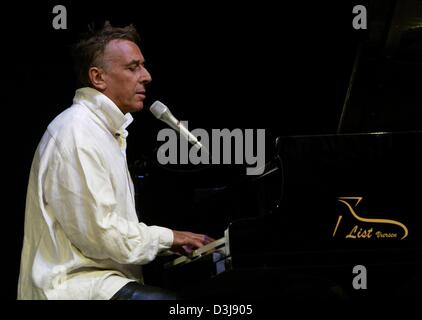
{"x": 96, "y": 75}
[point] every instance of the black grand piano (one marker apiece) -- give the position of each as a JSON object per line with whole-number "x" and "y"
{"x": 323, "y": 205}
{"x": 326, "y": 205}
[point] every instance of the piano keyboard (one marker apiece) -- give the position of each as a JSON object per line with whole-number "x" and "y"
{"x": 215, "y": 246}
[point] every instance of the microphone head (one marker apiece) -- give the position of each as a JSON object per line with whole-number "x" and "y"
{"x": 158, "y": 109}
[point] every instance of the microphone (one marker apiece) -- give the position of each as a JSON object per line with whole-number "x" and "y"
{"x": 161, "y": 112}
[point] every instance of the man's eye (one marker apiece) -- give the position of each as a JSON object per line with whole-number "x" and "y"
{"x": 134, "y": 68}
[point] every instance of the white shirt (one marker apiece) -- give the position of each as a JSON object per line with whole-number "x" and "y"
{"x": 82, "y": 236}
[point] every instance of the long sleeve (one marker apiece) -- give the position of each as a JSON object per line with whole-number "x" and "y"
{"x": 81, "y": 196}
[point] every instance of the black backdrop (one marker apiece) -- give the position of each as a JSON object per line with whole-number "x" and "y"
{"x": 284, "y": 67}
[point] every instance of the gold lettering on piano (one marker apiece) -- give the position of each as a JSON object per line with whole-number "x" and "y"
{"x": 380, "y": 234}
{"x": 362, "y": 233}
{"x": 366, "y": 227}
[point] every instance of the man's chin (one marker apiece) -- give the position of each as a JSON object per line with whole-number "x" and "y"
{"x": 137, "y": 107}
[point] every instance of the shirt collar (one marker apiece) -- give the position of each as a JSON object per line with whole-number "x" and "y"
{"x": 104, "y": 108}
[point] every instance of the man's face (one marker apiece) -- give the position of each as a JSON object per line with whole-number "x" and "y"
{"x": 124, "y": 74}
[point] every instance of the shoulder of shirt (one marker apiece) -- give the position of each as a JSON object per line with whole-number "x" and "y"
{"x": 74, "y": 127}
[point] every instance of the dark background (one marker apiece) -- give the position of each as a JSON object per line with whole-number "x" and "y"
{"x": 284, "y": 67}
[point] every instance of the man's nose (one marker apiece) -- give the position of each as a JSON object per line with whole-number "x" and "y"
{"x": 145, "y": 76}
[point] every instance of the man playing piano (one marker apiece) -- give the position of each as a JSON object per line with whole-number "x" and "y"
{"x": 82, "y": 236}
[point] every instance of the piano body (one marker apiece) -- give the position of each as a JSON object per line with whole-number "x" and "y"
{"x": 324, "y": 204}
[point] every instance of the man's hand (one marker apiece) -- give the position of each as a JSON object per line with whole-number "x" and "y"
{"x": 185, "y": 242}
